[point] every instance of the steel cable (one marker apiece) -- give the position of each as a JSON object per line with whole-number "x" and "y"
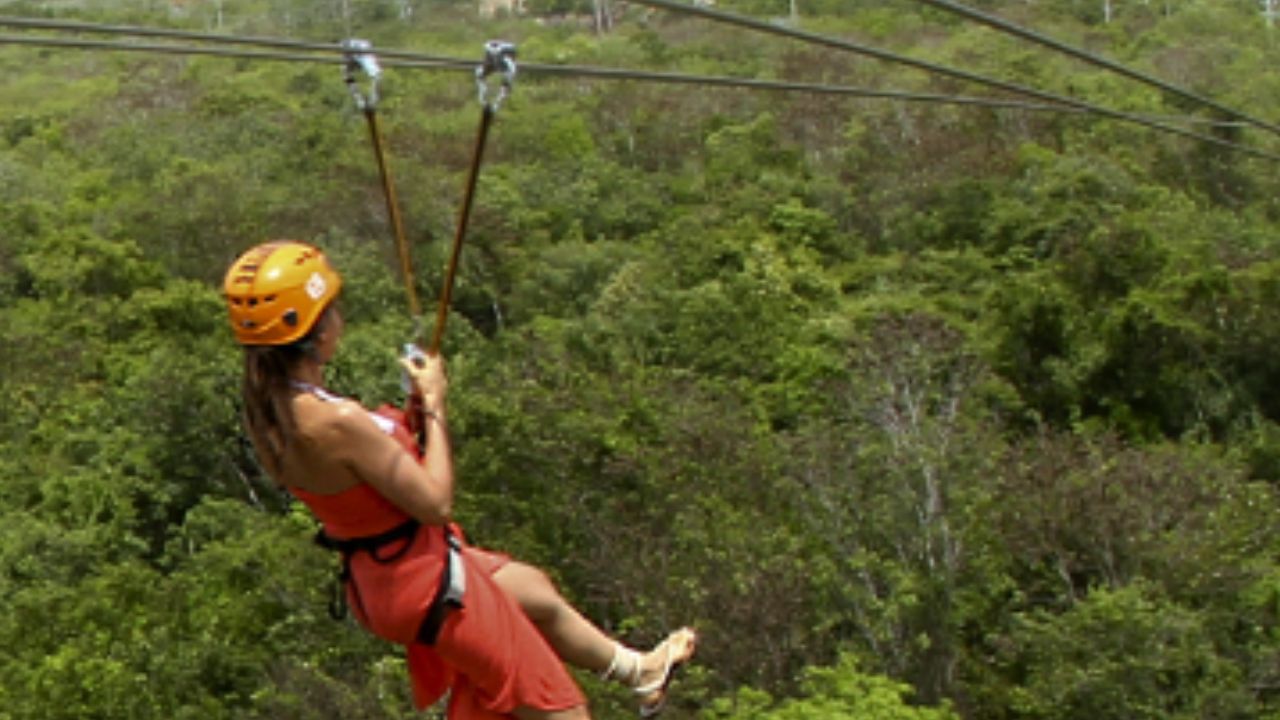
{"x": 934, "y": 68}
{"x": 1027, "y": 34}
{"x": 595, "y": 72}
{"x": 405, "y": 59}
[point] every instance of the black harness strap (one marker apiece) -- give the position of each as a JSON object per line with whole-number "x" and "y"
{"x": 448, "y": 594}
{"x": 372, "y": 543}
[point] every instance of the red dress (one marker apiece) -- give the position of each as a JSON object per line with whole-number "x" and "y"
{"x": 488, "y": 651}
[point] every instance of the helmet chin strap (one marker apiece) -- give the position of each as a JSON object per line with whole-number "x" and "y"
{"x": 309, "y": 345}
{"x": 310, "y": 349}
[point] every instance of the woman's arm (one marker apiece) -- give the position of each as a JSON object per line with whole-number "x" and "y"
{"x": 351, "y": 437}
{"x": 424, "y": 491}
{"x": 431, "y": 385}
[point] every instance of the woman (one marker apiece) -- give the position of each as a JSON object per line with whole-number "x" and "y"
{"x": 492, "y": 630}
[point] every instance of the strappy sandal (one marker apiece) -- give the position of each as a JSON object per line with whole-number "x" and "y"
{"x": 652, "y": 708}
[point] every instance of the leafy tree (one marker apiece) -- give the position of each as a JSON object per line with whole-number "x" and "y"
{"x": 842, "y": 690}
{"x": 1125, "y": 654}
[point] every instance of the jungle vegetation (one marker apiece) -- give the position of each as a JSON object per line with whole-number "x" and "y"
{"x": 914, "y": 410}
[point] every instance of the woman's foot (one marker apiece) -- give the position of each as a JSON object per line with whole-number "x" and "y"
{"x": 659, "y": 666}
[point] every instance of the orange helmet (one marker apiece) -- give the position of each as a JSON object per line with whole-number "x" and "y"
{"x": 276, "y": 291}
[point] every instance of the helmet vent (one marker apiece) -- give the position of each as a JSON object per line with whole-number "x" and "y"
{"x": 276, "y": 292}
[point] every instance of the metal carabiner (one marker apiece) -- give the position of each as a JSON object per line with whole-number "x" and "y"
{"x": 360, "y": 57}
{"x": 499, "y": 56}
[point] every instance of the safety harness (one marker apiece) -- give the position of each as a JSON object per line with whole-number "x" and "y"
{"x": 453, "y": 579}
{"x": 449, "y": 593}
{"x": 499, "y": 60}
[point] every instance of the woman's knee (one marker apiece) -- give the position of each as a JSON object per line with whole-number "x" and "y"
{"x": 532, "y": 588}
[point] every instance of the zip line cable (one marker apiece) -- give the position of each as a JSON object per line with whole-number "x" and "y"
{"x": 891, "y": 57}
{"x": 568, "y": 71}
{"x": 157, "y": 48}
{"x": 587, "y": 71}
{"x": 422, "y": 61}
{"x": 1010, "y": 28}
{"x": 604, "y": 73}
{"x": 826, "y": 89}
{"x": 249, "y": 40}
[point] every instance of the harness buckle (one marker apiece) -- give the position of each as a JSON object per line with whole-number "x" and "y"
{"x": 448, "y": 597}
{"x": 457, "y": 574}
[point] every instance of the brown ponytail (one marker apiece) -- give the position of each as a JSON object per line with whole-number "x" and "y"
{"x": 266, "y": 392}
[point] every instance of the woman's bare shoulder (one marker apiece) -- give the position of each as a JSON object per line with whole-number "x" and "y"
{"x": 317, "y": 418}
{"x": 326, "y": 432}
{"x": 336, "y": 426}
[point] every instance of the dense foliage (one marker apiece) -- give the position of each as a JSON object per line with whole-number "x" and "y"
{"x": 914, "y": 410}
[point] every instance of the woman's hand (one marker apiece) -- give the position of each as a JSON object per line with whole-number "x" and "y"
{"x": 429, "y": 381}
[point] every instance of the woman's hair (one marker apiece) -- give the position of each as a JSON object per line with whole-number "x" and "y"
{"x": 266, "y": 392}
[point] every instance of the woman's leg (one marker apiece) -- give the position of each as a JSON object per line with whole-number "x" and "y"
{"x": 579, "y": 642}
{"x": 575, "y": 639}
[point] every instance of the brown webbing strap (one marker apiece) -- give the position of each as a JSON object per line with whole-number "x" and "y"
{"x": 499, "y": 58}
{"x": 393, "y": 213}
{"x": 464, "y": 214}
{"x": 360, "y": 58}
